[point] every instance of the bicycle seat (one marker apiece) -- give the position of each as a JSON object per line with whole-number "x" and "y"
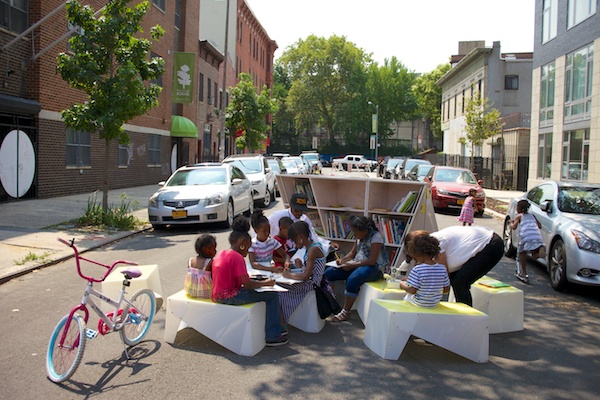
{"x": 131, "y": 272}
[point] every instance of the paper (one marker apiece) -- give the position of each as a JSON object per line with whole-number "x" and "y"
{"x": 274, "y": 288}
{"x": 333, "y": 264}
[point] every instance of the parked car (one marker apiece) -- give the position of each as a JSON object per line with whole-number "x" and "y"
{"x": 406, "y": 165}
{"x": 390, "y": 166}
{"x": 261, "y": 176}
{"x": 299, "y": 162}
{"x": 291, "y": 167}
{"x": 418, "y": 172}
{"x": 278, "y": 168}
{"x": 312, "y": 158}
{"x": 325, "y": 161}
{"x": 450, "y": 187}
{"x": 569, "y": 213}
{"x": 210, "y": 192}
{"x": 356, "y": 162}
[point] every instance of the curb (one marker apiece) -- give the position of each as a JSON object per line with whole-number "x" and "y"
{"x": 495, "y": 214}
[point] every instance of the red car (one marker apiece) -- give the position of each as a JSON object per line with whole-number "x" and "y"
{"x": 450, "y": 187}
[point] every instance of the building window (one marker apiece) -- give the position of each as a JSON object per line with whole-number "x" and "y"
{"x": 78, "y": 148}
{"x": 178, "y": 14}
{"x": 158, "y": 81}
{"x": 580, "y": 10}
{"x": 153, "y": 150}
{"x": 159, "y": 3}
{"x": 455, "y": 104}
{"x": 547, "y": 95}
{"x": 549, "y": 20}
{"x": 201, "y": 87}
{"x": 14, "y": 15}
{"x": 462, "y": 105}
{"x": 544, "y": 156}
{"x": 123, "y": 155}
{"x": 511, "y": 82}
{"x": 209, "y": 99}
{"x": 215, "y": 100}
{"x": 578, "y": 83}
{"x": 576, "y": 150}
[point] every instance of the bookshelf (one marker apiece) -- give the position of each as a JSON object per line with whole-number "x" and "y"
{"x": 397, "y": 207}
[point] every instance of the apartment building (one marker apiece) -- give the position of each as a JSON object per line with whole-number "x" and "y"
{"x": 504, "y": 79}
{"x": 565, "y": 105}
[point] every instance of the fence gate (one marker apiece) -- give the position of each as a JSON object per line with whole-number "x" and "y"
{"x": 522, "y": 173}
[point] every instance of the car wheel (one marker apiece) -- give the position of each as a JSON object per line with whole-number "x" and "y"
{"x": 557, "y": 266}
{"x": 509, "y": 250}
{"x": 273, "y": 195}
{"x": 230, "y": 214}
{"x": 267, "y": 199}
{"x": 250, "y": 208}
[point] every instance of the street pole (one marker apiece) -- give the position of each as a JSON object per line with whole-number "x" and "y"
{"x": 224, "y": 95}
{"x": 376, "y": 130}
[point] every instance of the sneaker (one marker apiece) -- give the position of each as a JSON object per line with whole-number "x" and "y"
{"x": 523, "y": 278}
{"x": 280, "y": 341}
{"x": 284, "y": 332}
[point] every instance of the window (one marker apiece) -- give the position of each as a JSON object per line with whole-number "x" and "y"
{"x": 541, "y": 193}
{"x": 177, "y": 14}
{"x": 215, "y": 100}
{"x": 209, "y": 88}
{"x": 579, "y": 10}
{"x": 578, "y": 83}
{"x": 511, "y": 82}
{"x": 158, "y": 81}
{"x": 201, "y": 87}
{"x": 153, "y": 150}
{"x": 14, "y": 15}
{"x": 547, "y": 95}
{"x": 455, "y": 104}
{"x": 78, "y": 148}
{"x": 549, "y": 20}
{"x": 576, "y": 150}
{"x": 123, "y": 155}
{"x": 462, "y": 103}
{"x": 544, "y": 156}
{"x": 159, "y": 3}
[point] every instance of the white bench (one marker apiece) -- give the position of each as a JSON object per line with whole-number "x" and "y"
{"x": 373, "y": 291}
{"x": 453, "y": 326}
{"x": 306, "y": 316}
{"x": 240, "y": 329}
{"x": 150, "y": 279}
{"x": 504, "y": 305}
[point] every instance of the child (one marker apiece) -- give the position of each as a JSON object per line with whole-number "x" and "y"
{"x": 530, "y": 238}
{"x": 206, "y": 249}
{"x": 286, "y": 243}
{"x": 468, "y": 208}
{"x": 263, "y": 246}
{"x": 198, "y": 278}
{"x": 428, "y": 280}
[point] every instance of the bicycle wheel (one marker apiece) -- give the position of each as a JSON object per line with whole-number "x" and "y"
{"x": 62, "y": 361}
{"x": 140, "y": 315}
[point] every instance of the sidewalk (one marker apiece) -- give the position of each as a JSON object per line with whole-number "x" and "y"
{"x": 29, "y": 228}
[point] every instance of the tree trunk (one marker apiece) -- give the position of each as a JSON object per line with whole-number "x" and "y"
{"x": 105, "y": 177}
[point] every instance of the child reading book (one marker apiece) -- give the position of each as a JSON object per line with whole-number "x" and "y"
{"x": 263, "y": 246}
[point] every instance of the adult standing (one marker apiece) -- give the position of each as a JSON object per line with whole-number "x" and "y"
{"x": 469, "y": 252}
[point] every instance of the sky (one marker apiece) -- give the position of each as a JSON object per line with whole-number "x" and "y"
{"x": 421, "y": 33}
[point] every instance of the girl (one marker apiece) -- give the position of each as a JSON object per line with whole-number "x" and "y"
{"x": 232, "y": 285}
{"x": 364, "y": 263}
{"x": 530, "y": 238}
{"x": 467, "y": 211}
{"x": 282, "y": 237}
{"x": 314, "y": 267}
{"x": 263, "y": 246}
{"x": 198, "y": 280}
{"x": 206, "y": 249}
{"x": 428, "y": 280}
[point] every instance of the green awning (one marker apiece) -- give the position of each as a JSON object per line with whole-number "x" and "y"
{"x": 183, "y": 127}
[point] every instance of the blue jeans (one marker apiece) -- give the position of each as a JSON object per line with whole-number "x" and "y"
{"x": 246, "y": 296}
{"x": 354, "y": 279}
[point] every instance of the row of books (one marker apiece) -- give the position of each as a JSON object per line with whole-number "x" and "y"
{"x": 316, "y": 222}
{"x": 303, "y": 186}
{"x": 391, "y": 229}
{"x": 338, "y": 225}
{"x": 407, "y": 203}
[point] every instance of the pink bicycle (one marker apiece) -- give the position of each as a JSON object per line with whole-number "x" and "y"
{"x": 131, "y": 318}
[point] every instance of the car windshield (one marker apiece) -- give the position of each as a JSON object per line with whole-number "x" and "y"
{"x": 248, "y": 166}
{"x": 393, "y": 162}
{"x": 201, "y": 176}
{"x": 412, "y": 163}
{"x": 454, "y": 175}
{"x": 290, "y": 164}
{"x": 579, "y": 200}
{"x": 311, "y": 157}
{"x": 273, "y": 164}
{"x": 422, "y": 170}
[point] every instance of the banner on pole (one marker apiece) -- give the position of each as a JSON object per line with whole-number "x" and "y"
{"x": 374, "y": 123}
{"x": 183, "y": 77}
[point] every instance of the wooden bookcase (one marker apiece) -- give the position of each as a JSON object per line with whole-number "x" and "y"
{"x": 332, "y": 200}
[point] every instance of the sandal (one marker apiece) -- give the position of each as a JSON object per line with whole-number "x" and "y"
{"x": 523, "y": 278}
{"x": 341, "y": 316}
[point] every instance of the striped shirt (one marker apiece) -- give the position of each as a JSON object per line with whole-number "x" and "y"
{"x": 429, "y": 280}
{"x": 263, "y": 251}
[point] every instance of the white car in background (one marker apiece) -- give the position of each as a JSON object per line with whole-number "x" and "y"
{"x": 260, "y": 174}
{"x": 291, "y": 167}
{"x": 299, "y": 162}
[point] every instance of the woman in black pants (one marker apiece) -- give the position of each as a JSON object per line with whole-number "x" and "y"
{"x": 468, "y": 252}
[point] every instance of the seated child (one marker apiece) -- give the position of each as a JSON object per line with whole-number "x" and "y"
{"x": 428, "y": 280}
{"x": 206, "y": 249}
{"x": 286, "y": 243}
{"x": 263, "y": 246}
{"x": 197, "y": 282}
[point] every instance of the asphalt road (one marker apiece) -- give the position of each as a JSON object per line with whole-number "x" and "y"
{"x": 556, "y": 357}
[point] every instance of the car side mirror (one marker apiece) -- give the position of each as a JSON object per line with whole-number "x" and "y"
{"x": 161, "y": 183}
{"x": 480, "y": 182}
{"x": 267, "y": 170}
{"x": 236, "y": 181}
{"x": 546, "y": 206}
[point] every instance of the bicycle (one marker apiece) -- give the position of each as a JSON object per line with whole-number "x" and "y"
{"x": 131, "y": 318}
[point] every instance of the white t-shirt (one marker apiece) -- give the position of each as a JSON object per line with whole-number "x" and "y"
{"x": 277, "y": 215}
{"x": 461, "y": 243}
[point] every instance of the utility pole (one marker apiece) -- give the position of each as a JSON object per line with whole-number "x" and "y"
{"x": 376, "y": 124}
{"x": 224, "y": 95}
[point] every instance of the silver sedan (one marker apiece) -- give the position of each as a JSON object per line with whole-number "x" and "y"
{"x": 569, "y": 213}
{"x": 209, "y": 192}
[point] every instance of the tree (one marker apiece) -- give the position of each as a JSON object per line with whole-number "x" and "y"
{"x": 247, "y": 112}
{"x": 283, "y": 120}
{"x": 482, "y": 122}
{"x": 111, "y": 66}
{"x": 429, "y": 97}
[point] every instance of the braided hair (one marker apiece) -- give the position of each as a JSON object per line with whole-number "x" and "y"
{"x": 240, "y": 228}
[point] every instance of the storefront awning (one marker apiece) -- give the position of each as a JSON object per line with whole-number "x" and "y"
{"x": 183, "y": 127}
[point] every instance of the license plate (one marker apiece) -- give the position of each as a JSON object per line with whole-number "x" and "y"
{"x": 460, "y": 201}
{"x": 177, "y": 214}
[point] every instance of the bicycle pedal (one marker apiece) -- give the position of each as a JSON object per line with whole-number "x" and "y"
{"x": 90, "y": 333}
{"x": 134, "y": 318}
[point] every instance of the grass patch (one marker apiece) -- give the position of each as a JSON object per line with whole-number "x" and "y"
{"x": 118, "y": 216}
{"x": 31, "y": 257}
